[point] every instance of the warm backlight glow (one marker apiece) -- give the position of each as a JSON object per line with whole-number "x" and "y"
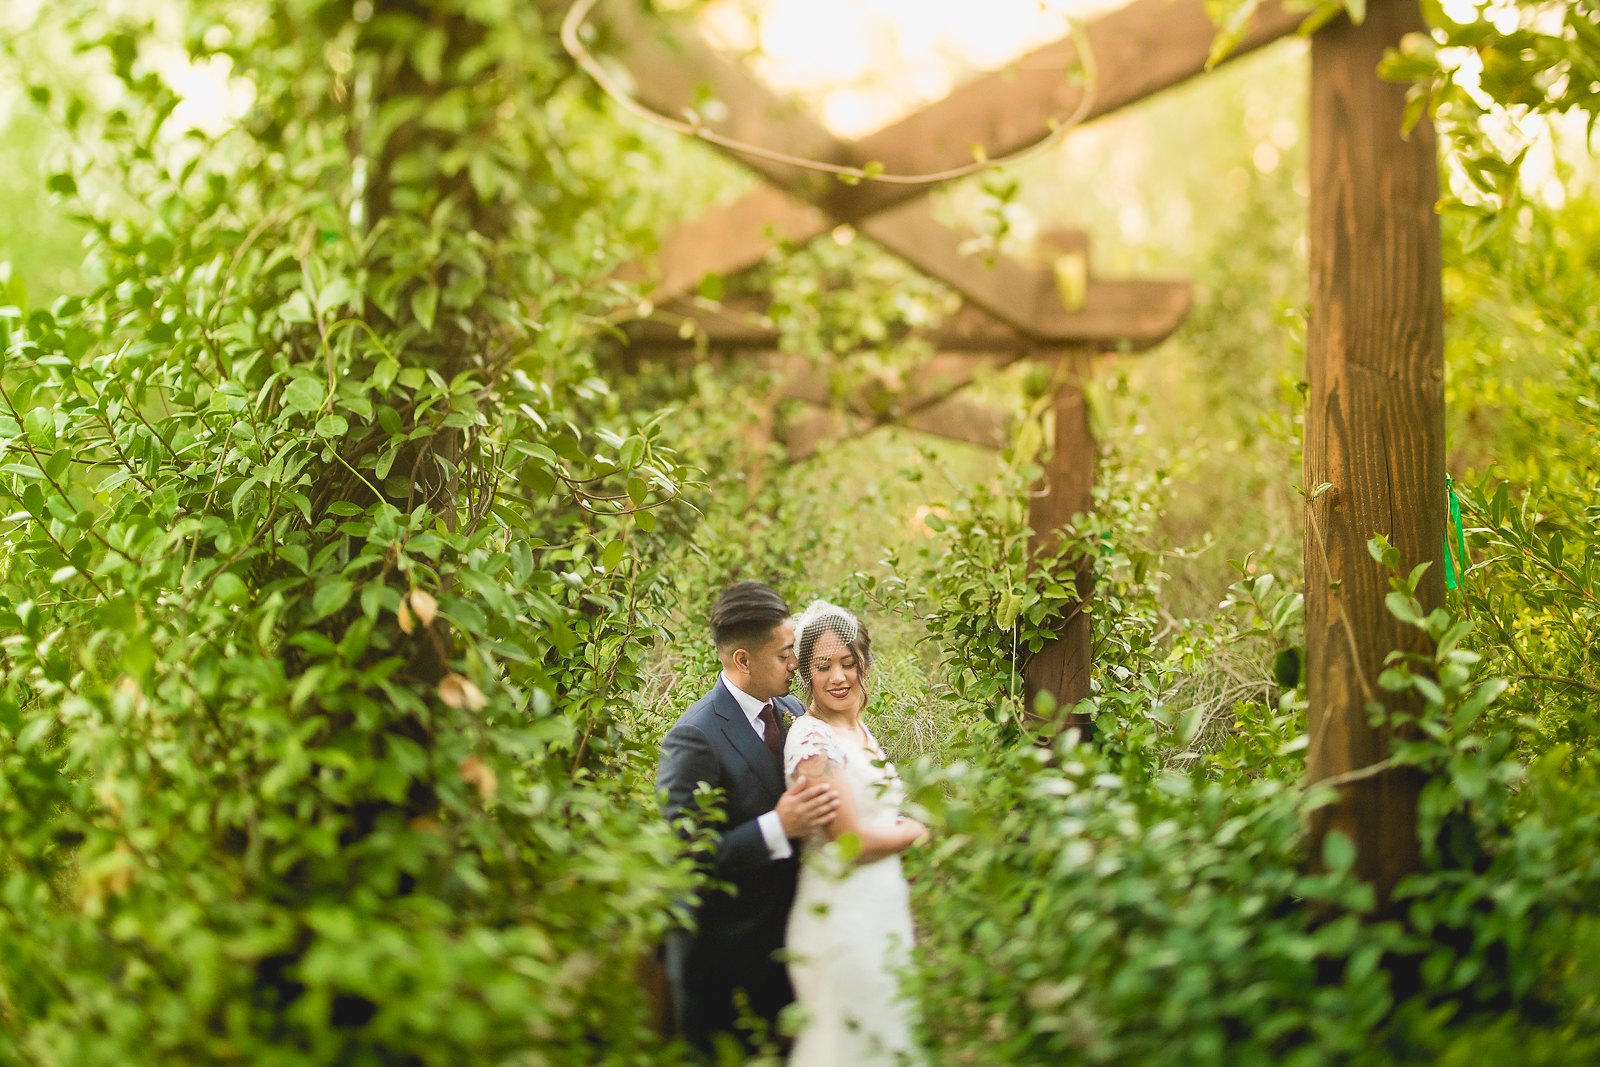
{"x": 864, "y": 63}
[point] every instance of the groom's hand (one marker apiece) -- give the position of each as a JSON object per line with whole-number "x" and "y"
{"x": 806, "y": 806}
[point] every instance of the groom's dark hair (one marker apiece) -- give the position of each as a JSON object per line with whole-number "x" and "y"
{"x": 746, "y": 614}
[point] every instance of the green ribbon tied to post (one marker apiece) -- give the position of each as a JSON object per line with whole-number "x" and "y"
{"x": 1454, "y": 571}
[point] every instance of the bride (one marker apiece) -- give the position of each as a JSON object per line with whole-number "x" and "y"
{"x": 850, "y": 929}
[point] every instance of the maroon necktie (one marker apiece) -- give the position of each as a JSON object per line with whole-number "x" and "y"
{"x": 769, "y": 728}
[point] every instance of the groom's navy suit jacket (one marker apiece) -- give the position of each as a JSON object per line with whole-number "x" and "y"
{"x": 738, "y": 930}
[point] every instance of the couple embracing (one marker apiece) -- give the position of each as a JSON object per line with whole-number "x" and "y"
{"x": 810, "y": 905}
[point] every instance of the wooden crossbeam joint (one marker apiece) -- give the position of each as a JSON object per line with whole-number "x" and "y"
{"x": 1165, "y": 41}
{"x": 1014, "y": 294}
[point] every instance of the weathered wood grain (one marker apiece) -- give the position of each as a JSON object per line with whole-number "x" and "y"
{"x": 1061, "y": 668}
{"x": 1133, "y": 314}
{"x": 1374, "y": 418}
{"x": 952, "y": 418}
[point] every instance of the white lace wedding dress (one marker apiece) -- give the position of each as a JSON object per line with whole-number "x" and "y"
{"x": 850, "y": 928}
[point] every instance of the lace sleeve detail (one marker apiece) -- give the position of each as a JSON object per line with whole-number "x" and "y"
{"x": 809, "y": 737}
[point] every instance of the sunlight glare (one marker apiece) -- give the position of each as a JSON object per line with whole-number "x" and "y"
{"x": 862, "y": 64}
{"x": 213, "y": 100}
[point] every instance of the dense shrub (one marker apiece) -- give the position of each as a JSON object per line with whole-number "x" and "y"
{"x": 327, "y": 563}
{"x": 1109, "y": 904}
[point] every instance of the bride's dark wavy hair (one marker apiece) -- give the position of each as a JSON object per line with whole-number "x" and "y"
{"x": 826, "y": 618}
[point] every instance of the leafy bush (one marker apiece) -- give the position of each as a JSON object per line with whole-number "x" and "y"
{"x": 1526, "y": 369}
{"x": 328, "y": 560}
{"x": 1149, "y": 899}
{"x": 1085, "y": 905}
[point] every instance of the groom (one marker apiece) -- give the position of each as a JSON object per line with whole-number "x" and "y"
{"x": 730, "y": 740}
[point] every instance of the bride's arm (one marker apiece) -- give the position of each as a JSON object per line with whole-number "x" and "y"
{"x": 875, "y": 843}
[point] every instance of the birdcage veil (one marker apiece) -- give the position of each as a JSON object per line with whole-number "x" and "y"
{"x": 821, "y": 617}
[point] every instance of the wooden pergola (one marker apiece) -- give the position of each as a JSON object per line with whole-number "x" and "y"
{"x": 1374, "y": 456}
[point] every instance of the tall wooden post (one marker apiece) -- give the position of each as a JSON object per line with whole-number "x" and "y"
{"x": 1375, "y": 420}
{"x": 1061, "y": 667}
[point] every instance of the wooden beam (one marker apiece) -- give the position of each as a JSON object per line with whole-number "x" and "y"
{"x": 804, "y": 437}
{"x": 1374, "y": 422}
{"x": 1006, "y": 289}
{"x": 933, "y": 381}
{"x": 731, "y": 239}
{"x": 727, "y": 240}
{"x": 736, "y": 324}
{"x": 960, "y": 419}
{"x": 676, "y": 72}
{"x": 928, "y": 404}
{"x": 741, "y": 323}
{"x": 1136, "y": 313}
{"x": 1065, "y": 253}
{"x": 1062, "y": 667}
{"x": 1137, "y": 51}
{"x": 741, "y": 234}
{"x": 1131, "y": 314}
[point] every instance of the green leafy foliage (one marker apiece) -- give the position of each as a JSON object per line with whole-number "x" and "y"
{"x": 327, "y": 559}
{"x": 1491, "y": 82}
{"x": 1083, "y": 905}
{"x": 1525, "y": 332}
{"x": 346, "y": 586}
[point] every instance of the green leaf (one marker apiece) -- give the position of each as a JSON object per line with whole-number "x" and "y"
{"x": 304, "y": 394}
{"x": 336, "y": 294}
{"x": 1338, "y": 852}
{"x": 424, "y": 303}
{"x": 383, "y": 376}
{"x": 427, "y": 54}
{"x": 332, "y": 426}
{"x": 1007, "y": 610}
{"x": 632, "y": 450}
{"x": 1403, "y": 607}
{"x": 37, "y": 730}
{"x": 613, "y": 554}
{"x": 1471, "y": 776}
{"x": 712, "y": 286}
{"x": 228, "y": 587}
{"x": 1474, "y": 706}
{"x": 297, "y": 308}
{"x": 330, "y": 597}
{"x": 1383, "y": 552}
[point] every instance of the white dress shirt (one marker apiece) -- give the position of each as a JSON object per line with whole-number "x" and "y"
{"x": 771, "y": 826}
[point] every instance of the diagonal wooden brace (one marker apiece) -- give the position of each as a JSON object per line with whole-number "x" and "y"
{"x": 1170, "y": 38}
{"x": 1136, "y": 52}
{"x": 733, "y": 238}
